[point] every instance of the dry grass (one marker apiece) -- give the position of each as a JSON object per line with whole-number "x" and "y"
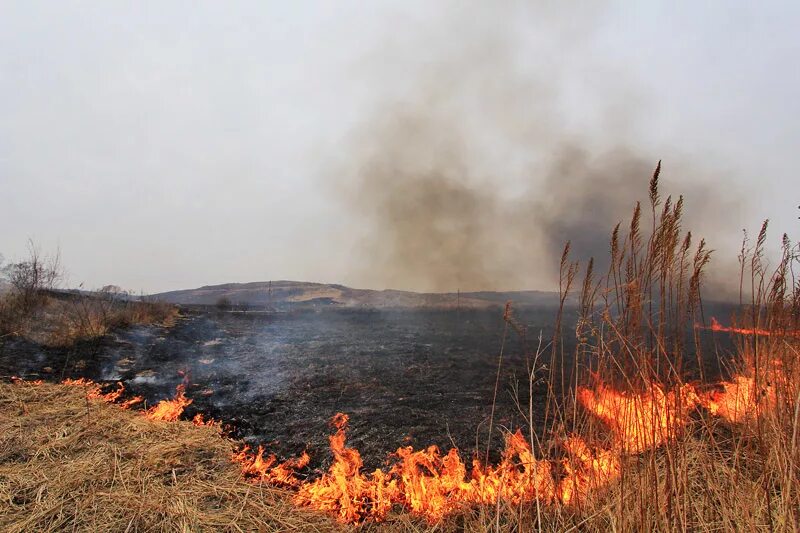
{"x": 70, "y": 464}
{"x": 635, "y": 331}
{"x": 91, "y": 318}
{"x": 65, "y": 321}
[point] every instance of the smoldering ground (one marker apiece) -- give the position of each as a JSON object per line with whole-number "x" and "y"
{"x": 472, "y": 171}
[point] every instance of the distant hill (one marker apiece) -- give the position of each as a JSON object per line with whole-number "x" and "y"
{"x": 290, "y": 294}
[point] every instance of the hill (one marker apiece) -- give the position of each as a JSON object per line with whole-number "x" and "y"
{"x": 283, "y": 294}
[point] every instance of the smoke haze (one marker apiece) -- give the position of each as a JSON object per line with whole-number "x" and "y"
{"x": 413, "y": 145}
{"x": 471, "y": 175}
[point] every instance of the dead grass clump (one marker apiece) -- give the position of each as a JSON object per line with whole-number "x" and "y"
{"x": 67, "y": 463}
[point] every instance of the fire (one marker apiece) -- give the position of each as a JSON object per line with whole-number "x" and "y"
{"x": 519, "y": 476}
{"x": 199, "y": 420}
{"x": 426, "y": 482}
{"x": 270, "y": 470}
{"x": 642, "y": 421}
{"x": 94, "y": 391}
{"x": 586, "y": 470}
{"x": 741, "y": 400}
{"x": 127, "y": 404}
{"x": 432, "y": 485}
{"x": 716, "y": 326}
{"x": 344, "y": 490}
{"x": 170, "y": 410}
{"x": 736, "y": 402}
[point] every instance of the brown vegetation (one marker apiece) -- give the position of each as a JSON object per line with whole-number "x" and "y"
{"x": 34, "y": 309}
{"x": 68, "y": 463}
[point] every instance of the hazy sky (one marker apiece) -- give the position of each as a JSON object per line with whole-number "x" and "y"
{"x": 165, "y": 145}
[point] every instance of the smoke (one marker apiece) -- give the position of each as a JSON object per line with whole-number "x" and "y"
{"x": 478, "y": 162}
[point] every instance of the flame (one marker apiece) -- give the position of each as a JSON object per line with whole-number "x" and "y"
{"x": 587, "y": 471}
{"x": 640, "y": 421}
{"x": 16, "y": 380}
{"x": 344, "y": 491}
{"x": 426, "y": 482}
{"x": 170, "y": 410}
{"x": 199, "y": 420}
{"x": 740, "y": 400}
{"x": 127, "y": 404}
{"x": 269, "y": 470}
{"x": 433, "y": 485}
{"x": 110, "y": 397}
{"x": 94, "y": 391}
{"x": 716, "y": 326}
{"x": 736, "y": 402}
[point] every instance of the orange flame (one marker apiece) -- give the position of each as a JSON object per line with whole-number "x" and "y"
{"x": 586, "y": 470}
{"x": 716, "y": 326}
{"x": 740, "y": 400}
{"x": 199, "y": 420}
{"x": 736, "y": 402}
{"x": 94, "y": 391}
{"x": 170, "y": 410}
{"x": 127, "y": 404}
{"x": 16, "y": 380}
{"x": 642, "y": 421}
{"x": 425, "y": 481}
{"x": 344, "y": 490}
{"x": 257, "y": 467}
{"x": 433, "y": 485}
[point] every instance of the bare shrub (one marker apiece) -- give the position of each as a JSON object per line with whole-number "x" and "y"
{"x": 28, "y": 283}
{"x": 31, "y": 277}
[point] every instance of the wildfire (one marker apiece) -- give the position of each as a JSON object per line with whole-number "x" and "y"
{"x": 426, "y": 482}
{"x": 642, "y": 421}
{"x": 170, "y": 410}
{"x": 741, "y": 399}
{"x": 431, "y": 484}
{"x": 199, "y": 420}
{"x": 587, "y": 471}
{"x": 127, "y": 404}
{"x": 94, "y": 391}
{"x": 344, "y": 490}
{"x": 269, "y": 470}
{"x": 716, "y": 326}
{"x": 736, "y": 402}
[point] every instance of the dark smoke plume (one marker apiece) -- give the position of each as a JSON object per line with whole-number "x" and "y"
{"x": 467, "y": 174}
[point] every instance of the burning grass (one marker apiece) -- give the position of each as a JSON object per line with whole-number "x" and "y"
{"x": 71, "y": 459}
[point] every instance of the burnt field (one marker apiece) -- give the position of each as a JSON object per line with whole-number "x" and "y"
{"x": 405, "y": 377}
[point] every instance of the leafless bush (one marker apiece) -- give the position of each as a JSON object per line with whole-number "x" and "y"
{"x": 29, "y": 281}
{"x": 31, "y": 277}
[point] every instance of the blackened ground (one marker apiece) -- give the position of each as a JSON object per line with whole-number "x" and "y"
{"x": 409, "y": 377}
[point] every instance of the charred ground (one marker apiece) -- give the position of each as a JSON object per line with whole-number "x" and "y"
{"x": 407, "y": 377}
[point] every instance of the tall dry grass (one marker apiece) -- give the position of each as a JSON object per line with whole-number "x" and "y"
{"x": 635, "y": 331}
{"x": 93, "y": 317}
{"x": 63, "y": 319}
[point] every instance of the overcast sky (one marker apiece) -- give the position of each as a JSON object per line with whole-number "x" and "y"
{"x": 164, "y": 145}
